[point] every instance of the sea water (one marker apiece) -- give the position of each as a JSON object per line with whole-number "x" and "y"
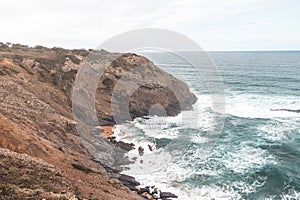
{"x": 256, "y": 155}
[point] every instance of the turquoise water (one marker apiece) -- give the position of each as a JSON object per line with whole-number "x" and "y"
{"x": 257, "y": 153}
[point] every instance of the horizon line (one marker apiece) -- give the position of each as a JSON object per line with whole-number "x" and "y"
{"x": 254, "y": 50}
{"x": 214, "y": 50}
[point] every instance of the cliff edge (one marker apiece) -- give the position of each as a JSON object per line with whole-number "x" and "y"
{"x": 36, "y": 119}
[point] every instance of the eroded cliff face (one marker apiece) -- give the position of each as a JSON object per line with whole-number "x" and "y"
{"x": 135, "y": 86}
{"x": 36, "y": 118}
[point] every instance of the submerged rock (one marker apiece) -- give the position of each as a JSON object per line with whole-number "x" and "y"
{"x": 288, "y": 110}
{"x": 141, "y": 151}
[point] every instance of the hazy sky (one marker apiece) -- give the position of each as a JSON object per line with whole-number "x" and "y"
{"x": 213, "y": 24}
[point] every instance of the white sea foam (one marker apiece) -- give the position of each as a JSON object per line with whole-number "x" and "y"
{"x": 277, "y": 130}
{"x": 169, "y": 179}
{"x": 292, "y": 194}
{"x": 199, "y": 139}
{"x": 169, "y": 175}
{"x": 260, "y": 106}
{"x": 247, "y": 159}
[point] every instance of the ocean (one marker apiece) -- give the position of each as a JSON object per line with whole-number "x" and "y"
{"x": 256, "y": 153}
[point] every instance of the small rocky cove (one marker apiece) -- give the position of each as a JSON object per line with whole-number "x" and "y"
{"x": 147, "y": 192}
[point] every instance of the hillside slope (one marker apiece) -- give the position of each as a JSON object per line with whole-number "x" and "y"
{"x": 36, "y": 119}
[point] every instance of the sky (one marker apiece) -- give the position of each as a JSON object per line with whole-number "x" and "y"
{"x": 216, "y": 25}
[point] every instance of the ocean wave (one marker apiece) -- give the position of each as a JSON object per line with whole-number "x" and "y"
{"x": 240, "y": 163}
{"x": 259, "y": 106}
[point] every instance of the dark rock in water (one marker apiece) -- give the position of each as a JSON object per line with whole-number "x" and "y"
{"x": 125, "y": 146}
{"x": 112, "y": 138}
{"x": 143, "y": 190}
{"x": 165, "y": 195}
{"x": 128, "y": 181}
{"x": 153, "y": 190}
{"x": 141, "y": 151}
{"x": 155, "y": 193}
{"x": 288, "y": 110}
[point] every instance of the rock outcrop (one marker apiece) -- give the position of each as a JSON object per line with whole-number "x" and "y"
{"x": 129, "y": 86}
{"x": 36, "y": 119}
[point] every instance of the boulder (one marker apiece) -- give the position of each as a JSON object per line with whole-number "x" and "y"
{"x": 165, "y": 195}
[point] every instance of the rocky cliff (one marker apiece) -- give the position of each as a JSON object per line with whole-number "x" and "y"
{"x": 36, "y": 119}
